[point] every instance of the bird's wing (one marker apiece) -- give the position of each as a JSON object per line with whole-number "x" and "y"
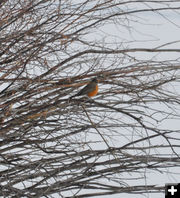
{"x": 88, "y": 88}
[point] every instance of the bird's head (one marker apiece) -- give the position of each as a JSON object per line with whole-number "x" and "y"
{"x": 95, "y": 80}
{"x": 98, "y": 78}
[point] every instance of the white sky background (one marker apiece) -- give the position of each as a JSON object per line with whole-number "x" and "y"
{"x": 153, "y": 31}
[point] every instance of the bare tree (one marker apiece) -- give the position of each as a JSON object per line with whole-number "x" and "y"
{"x": 55, "y": 147}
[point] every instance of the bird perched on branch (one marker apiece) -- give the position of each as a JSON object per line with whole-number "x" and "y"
{"x": 91, "y": 89}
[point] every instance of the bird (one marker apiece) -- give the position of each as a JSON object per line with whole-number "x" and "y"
{"x": 91, "y": 89}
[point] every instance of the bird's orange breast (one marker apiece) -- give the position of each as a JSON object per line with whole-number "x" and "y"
{"x": 94, "y": 92}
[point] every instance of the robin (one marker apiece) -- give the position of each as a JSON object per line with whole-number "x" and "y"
{"x": 91, "y": 89}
